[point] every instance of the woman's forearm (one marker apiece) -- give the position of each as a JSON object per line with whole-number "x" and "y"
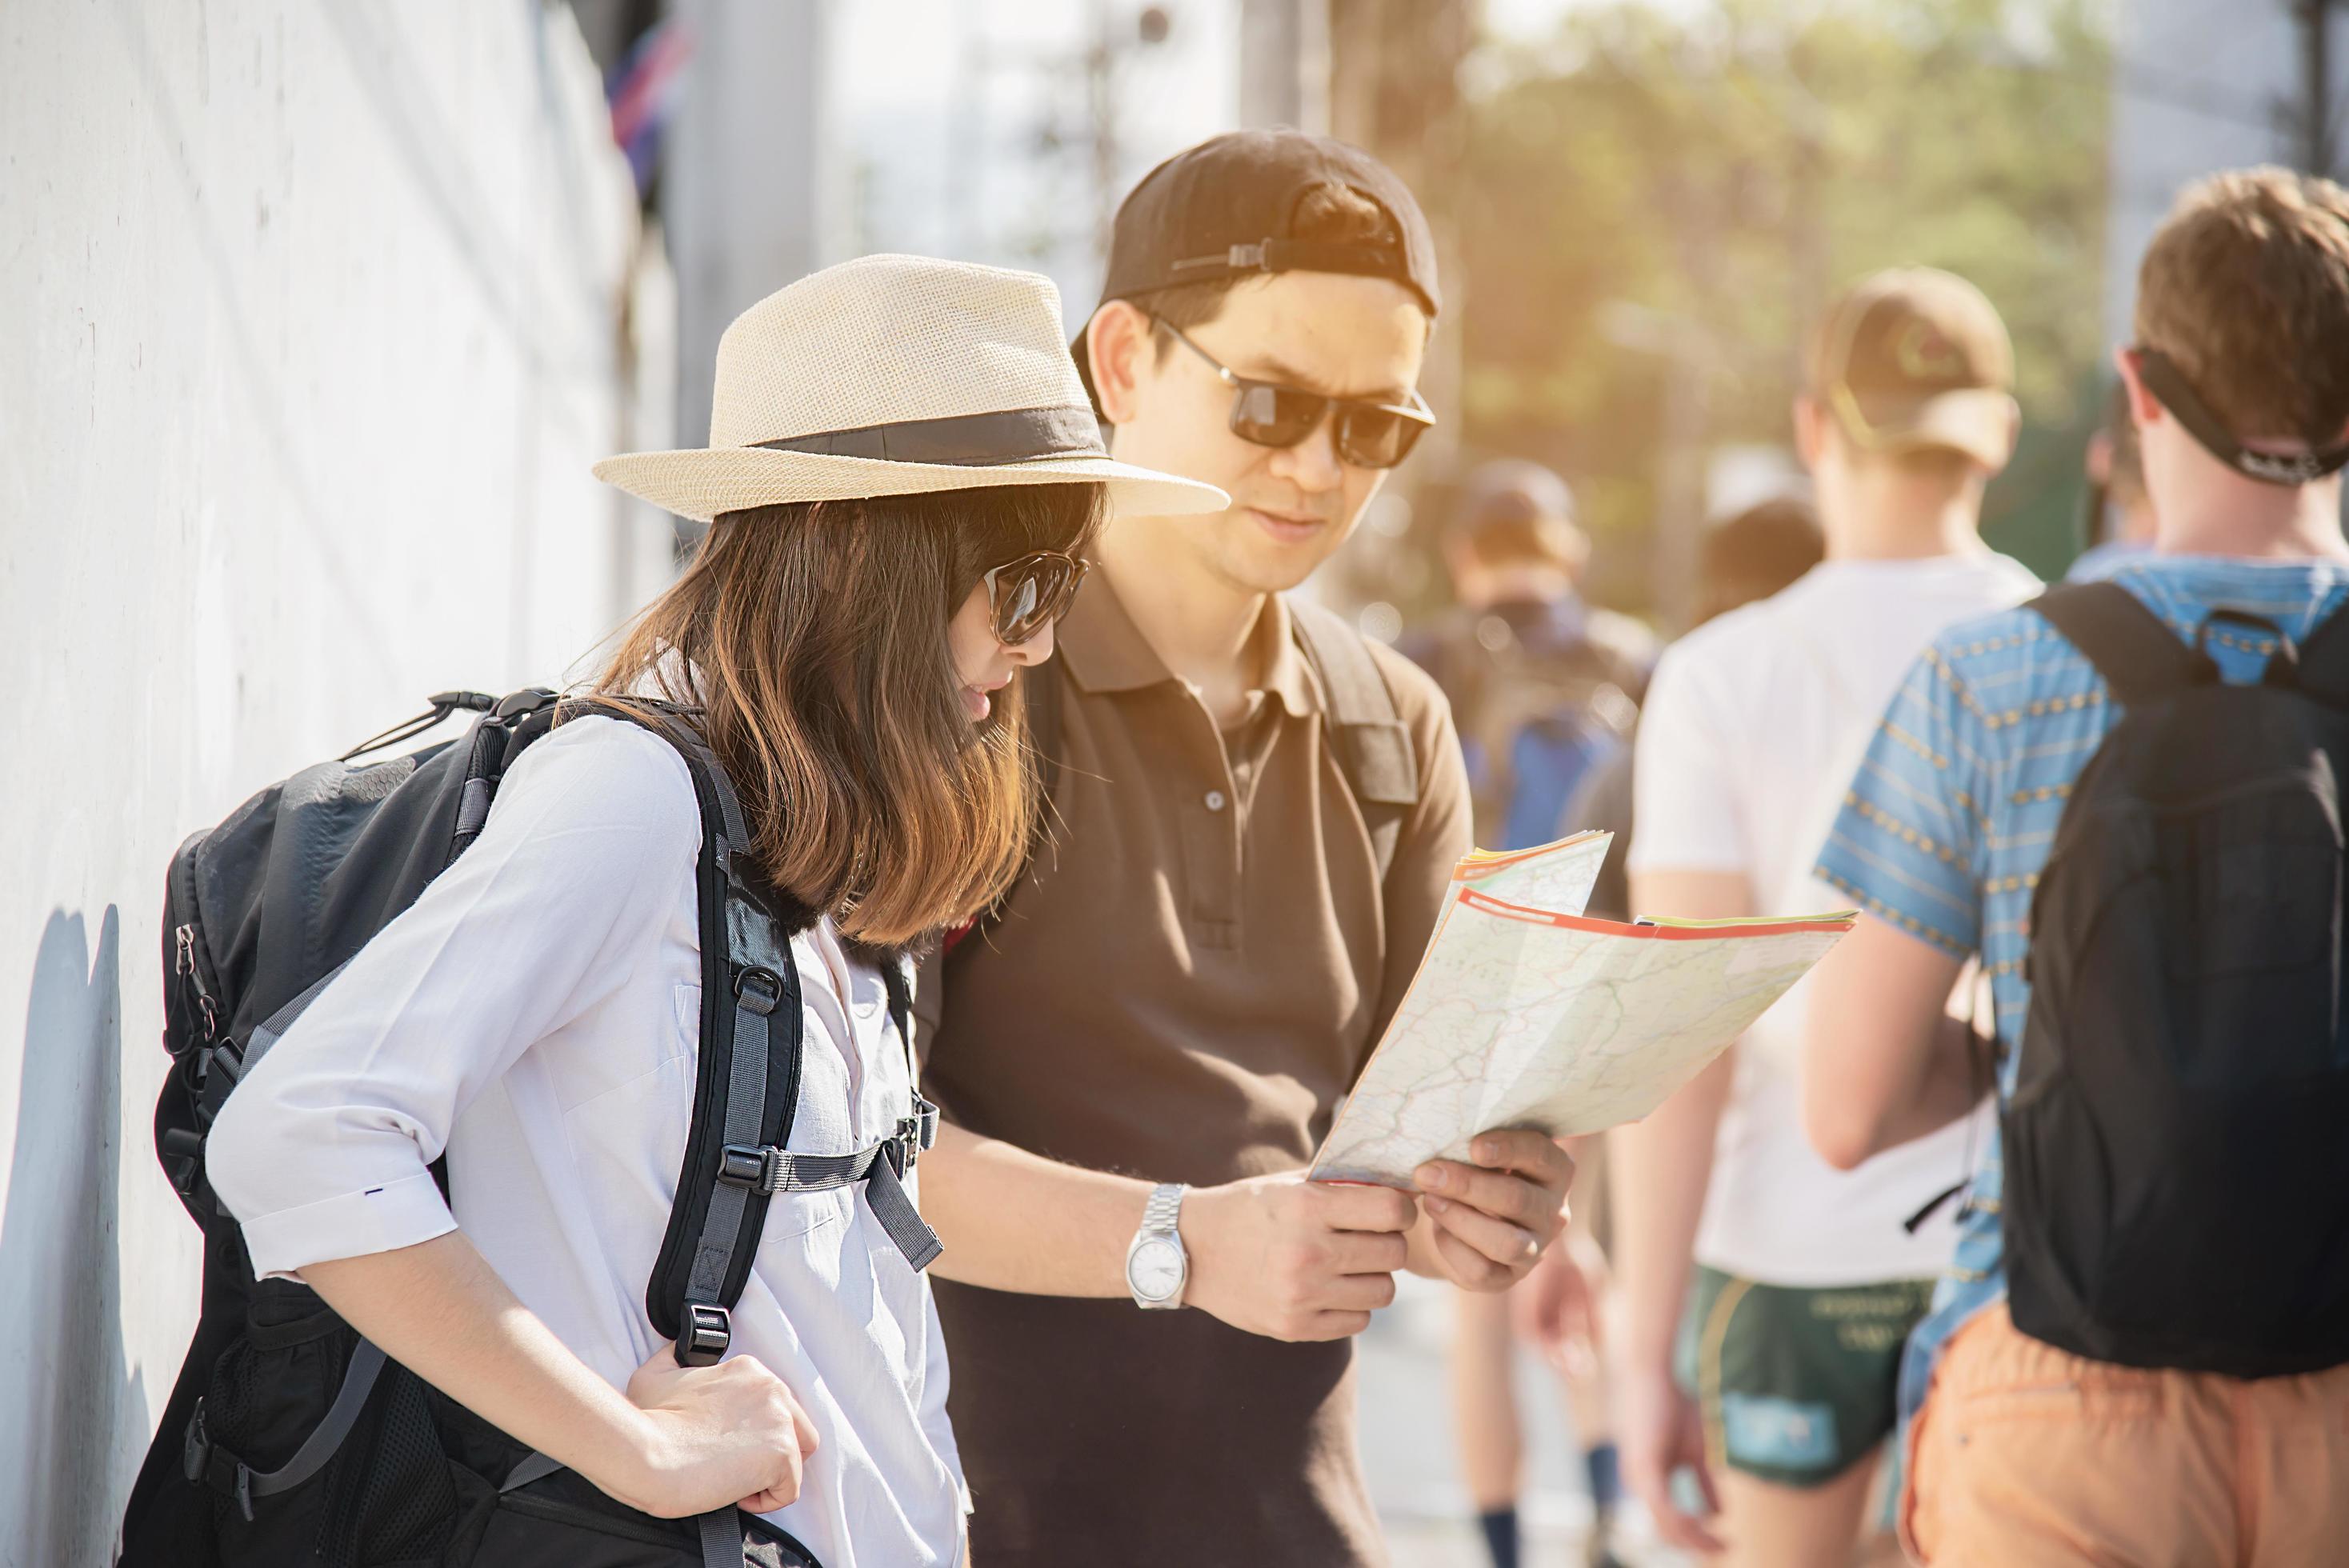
{"x": 439, "y": 1309}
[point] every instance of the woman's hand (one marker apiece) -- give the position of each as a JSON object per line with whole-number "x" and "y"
{"x": 715, "y": 1436}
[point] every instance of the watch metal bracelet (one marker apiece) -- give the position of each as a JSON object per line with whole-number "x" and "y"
{"x": 1164, "y": 1212}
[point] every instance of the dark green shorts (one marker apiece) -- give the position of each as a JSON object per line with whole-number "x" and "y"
{"x": 1796, "y": 1386}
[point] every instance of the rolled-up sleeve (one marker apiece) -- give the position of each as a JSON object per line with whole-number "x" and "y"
{"x": 324, "y": 1150}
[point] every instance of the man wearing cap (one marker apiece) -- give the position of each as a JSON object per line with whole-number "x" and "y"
{"x": 1256, "y": 814}
{"x": 1766, "y": 1294}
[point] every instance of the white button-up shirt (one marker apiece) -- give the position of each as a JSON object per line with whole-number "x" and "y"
{"x": 536, "y": 1014}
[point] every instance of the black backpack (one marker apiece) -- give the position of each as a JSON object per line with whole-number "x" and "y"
{"x": 2177, "y": 1146}
{"x": 288, "y": 1438}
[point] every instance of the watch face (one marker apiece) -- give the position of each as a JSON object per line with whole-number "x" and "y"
{"x": 1155, "y": 1270}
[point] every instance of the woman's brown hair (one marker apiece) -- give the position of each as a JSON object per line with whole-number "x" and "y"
{"x": 813, "y": 636}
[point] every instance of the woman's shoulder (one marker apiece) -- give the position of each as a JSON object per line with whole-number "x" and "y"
{"x": 596, "y": 771}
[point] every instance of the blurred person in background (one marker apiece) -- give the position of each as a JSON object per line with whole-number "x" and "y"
{"x": 1139, "y": 1057}
{"x": 2138, "y": 1353}
{"x": 1563, "y": 1307}
{"x": 2121, "y": 523}
{"x": 1767, "y": 1293}
{"x": 1543, "y": 684}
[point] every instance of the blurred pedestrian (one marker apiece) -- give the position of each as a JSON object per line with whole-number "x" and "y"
{"x": 2122, "y": 802}
{"x": 1258, "y": 813}
{"x": 1577, "y": 675}
{"x": 2121, "y": 524}
{"x": 1542, "y": 687}
{"x": 1766, "y": 1295}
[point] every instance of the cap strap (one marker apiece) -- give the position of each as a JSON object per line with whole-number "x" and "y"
{"x": 2168, "y": 383}
{"x": 961, "y": 440}
{"x": 1368, "y": 260}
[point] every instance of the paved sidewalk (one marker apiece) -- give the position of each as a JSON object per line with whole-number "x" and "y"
{"x": 1413, "y": 1464}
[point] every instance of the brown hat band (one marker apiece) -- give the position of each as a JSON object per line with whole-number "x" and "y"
{"x": 961, "y": 440}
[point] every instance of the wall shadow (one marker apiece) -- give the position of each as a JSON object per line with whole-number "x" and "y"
{"x": 65, "y": 1380}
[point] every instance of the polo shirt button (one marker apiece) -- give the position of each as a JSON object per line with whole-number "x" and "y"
{"x": 1214, "y": 799}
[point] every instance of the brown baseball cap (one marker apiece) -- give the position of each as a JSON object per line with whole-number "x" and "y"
{"x": 1915, "y": 358}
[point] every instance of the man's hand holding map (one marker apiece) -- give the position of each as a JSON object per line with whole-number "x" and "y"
{"x": 1526, "y": 1014}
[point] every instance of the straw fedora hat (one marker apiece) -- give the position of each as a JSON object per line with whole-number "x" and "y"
{"x": 897, "y": 376}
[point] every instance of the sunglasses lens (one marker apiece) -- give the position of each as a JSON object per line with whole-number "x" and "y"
{"x": 1031, "y": 595}
{"x": 1274, "y": 415}
{"x": 1375, "y": 438}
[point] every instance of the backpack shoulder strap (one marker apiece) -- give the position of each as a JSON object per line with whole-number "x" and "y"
{"x": 746, "y": 1078}
{"x": 1375, "y": 747}
{"x": 750, "y": 1005}
{"x": 2139, "y": 656}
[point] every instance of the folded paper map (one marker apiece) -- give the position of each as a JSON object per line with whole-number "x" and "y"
{"x": 1526, "y": 1014}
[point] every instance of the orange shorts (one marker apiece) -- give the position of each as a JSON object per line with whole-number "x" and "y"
{"x": 2025, "y": 1456}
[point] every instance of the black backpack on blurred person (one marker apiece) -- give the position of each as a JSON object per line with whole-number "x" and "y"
{"x": 288, "y": 1440}
{"x": 2177, "y": 1146}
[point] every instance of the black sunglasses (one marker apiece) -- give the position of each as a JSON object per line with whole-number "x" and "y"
{"x": 1029, "y": 594}
{"x": 1370, "y": 435}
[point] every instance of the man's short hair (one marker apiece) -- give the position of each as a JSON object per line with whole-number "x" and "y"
{"x": 1756, "y": 553}
{"x": 2245, "y": 288}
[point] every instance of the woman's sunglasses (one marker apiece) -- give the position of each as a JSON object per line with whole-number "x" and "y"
{"x": 1029, "y": 594}
{"x": 1370, "y": 435}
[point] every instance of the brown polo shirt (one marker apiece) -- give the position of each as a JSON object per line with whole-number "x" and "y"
{"x": 1181, "y": 991}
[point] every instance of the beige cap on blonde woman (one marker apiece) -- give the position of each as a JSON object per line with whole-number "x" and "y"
{"x": 1916, "y": 359}
{"x": 897, "y": 376}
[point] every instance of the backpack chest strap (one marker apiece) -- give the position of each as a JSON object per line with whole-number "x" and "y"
{"x": 766, "y": 1169}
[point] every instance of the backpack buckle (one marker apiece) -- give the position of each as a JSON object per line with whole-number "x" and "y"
{"x": 196, "y": 1462}
{"x": 759, "y": 988}
{"x": 708, "y": 1333}
{"x": 915, "y": 1136}
{"x": 759, "y": 1167}
{"x": 196, "y": 1447}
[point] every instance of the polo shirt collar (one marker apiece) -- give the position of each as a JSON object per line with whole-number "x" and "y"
{"x": 1105, "y": 652}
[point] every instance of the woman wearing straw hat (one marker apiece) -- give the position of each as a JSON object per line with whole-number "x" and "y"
{"x": 903, "y": 469}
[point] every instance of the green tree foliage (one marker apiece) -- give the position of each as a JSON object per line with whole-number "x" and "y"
{"x": 1726, "y": 171}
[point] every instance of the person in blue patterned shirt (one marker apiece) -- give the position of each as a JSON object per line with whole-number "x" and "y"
{"x": 2022, "y": 1453}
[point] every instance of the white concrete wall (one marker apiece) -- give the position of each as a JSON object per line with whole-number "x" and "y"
{"x": 308, "y": 331}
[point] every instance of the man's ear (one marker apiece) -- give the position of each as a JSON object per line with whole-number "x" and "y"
{"x": 2145, "y": 408}
{"x": 1119, "y": 340}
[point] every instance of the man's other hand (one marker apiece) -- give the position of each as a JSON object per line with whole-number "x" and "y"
{"x": 1292, "y": 1259}
{"x": 1489, "y": 1221}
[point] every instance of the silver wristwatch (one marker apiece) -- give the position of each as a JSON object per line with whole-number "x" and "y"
{"x": 1156, "y": 1266}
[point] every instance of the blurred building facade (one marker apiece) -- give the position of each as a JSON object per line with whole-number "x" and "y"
{"x": 2202, "y": 85}
{"x": 314, "y": 317}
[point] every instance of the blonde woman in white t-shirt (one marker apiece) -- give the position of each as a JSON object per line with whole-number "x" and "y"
{"x": 902, "y": 476}
{"x": 1767, "y": 1295}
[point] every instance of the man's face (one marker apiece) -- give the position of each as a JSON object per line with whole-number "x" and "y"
{"x": 1293, "y": 506}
